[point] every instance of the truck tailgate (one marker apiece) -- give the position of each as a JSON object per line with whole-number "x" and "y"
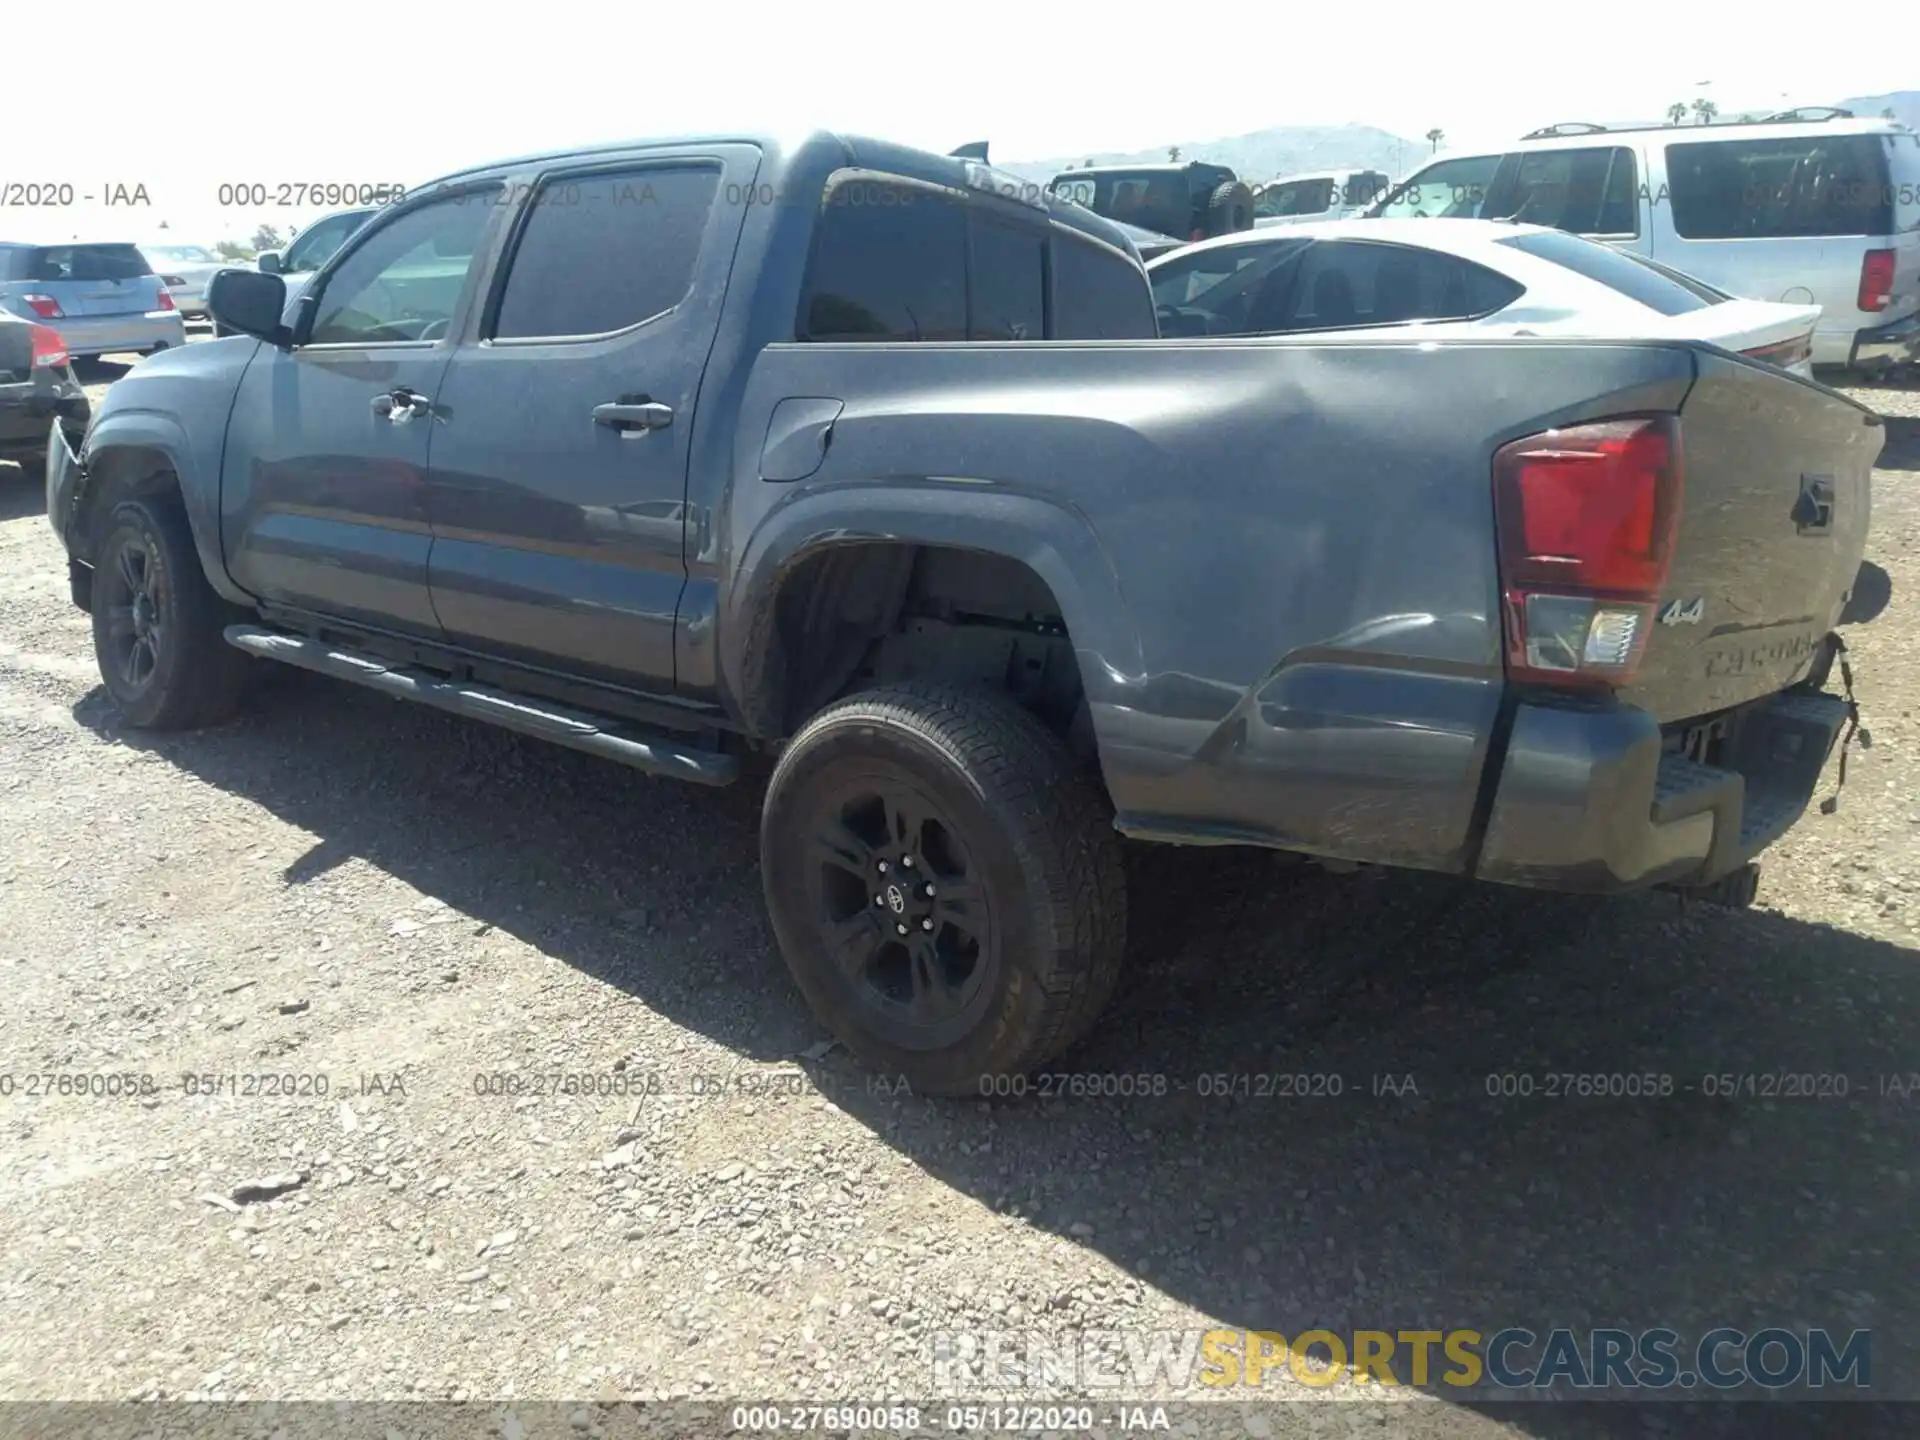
{"x": 1773, "y": 525}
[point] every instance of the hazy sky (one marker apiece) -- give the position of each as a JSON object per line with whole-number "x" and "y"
{"x": 358, "y": 92}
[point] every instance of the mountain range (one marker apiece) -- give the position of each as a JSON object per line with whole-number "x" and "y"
{"x": 1296, "y": 149}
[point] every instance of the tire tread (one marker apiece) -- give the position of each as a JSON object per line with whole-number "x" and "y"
{"x": 1056, "y": 816}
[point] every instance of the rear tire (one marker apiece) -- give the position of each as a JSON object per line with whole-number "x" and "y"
{"x": 158, "y": 626}
{"x": 945, "y": 884}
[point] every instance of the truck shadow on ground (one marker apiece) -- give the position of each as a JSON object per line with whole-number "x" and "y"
{"x": 21, "y": 494}
{"x": 1902, "y": 449}
{"x": 1296, "y": 1114}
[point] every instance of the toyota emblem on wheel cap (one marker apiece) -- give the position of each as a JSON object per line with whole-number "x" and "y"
{"x": 896, "y": 902}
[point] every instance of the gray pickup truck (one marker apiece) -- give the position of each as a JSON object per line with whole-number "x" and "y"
{"x": 860, "y": 460}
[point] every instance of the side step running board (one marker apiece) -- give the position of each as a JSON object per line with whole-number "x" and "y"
{"x": 541, "y": 719}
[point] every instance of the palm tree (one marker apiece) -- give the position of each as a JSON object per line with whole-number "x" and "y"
{"x": 1676, "y": 112}
{"x": 1173, "y": 154}
{"x": 1435, "y": 136}
{"x": 1704, "y": 110}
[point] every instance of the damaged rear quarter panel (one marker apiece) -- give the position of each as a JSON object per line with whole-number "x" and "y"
{"x": 1299, "y": 640}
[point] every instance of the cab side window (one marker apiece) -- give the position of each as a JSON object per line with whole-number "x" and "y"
{"x": 401, "y": 283}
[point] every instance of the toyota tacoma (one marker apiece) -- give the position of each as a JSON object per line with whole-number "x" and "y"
{"x": 860, "y": 460}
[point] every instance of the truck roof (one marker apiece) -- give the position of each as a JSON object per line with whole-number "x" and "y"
{"x": 823, "y": 151}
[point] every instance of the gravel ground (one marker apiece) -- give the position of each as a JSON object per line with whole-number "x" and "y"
{"x": 430, "y": 920}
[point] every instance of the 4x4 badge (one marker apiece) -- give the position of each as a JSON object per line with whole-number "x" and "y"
{"x": 1684, "y": 612}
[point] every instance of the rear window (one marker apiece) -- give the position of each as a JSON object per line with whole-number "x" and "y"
{"x": 85, "y": 262}
{"x": 1661, "y": 292}
{"x": 1780, "y": 187}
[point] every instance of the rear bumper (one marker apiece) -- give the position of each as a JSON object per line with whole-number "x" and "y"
{"x": 26, "y": 409}
{"x": 1895, "y": 344}
{"x": 110, "y": 334}
{"x": 1589, "y": 802}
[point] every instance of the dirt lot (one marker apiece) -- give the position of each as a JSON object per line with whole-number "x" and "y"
{"x": 430, "y": 921}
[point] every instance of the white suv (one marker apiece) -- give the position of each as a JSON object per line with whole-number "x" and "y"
{"x": 1325, "y": 195}
{"x": 1805, "y": 207}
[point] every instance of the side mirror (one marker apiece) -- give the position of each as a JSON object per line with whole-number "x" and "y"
{"x": 268, "y": 262}
{"x": 251, "y": 303}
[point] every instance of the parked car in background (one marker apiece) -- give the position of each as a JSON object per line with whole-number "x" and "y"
{"x": 1197, "y": 200}
{"x": 1459, "y": 278}
{"x": 185, "y": 270}
{"x": 37, "y": 387}
{"x": 312, "y": 247}
{"x": 811, "y": 483}
{"x": 101, "y": 299}
{"x": 308, "y": 251}
{"x": 1807, "y": 207}
{"x": 1328, "y": 195}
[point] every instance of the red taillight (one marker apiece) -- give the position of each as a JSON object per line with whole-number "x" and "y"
{"x": 1787, "y": 352}
{"x": 48, "y": 348}
{"x": 1587, "y": 518}
{"x": 1876, "y": 279}
{"x": 45, "y": 306}
{"x": 166, "y": 300}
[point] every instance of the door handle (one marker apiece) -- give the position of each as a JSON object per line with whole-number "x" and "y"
{"x": 401, "y": 405}
{"x": 634, "y": 419}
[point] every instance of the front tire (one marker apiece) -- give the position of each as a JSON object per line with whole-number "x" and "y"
{"x": 157, "y": 624}
{"x": 945, "y": 884}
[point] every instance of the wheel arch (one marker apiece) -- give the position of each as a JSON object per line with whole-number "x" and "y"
{"x": 134, "y": 453}
{"x": 1054, "y": 544}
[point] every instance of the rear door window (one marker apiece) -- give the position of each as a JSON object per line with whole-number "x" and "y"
{"x": 1657, "y": 289}
{"x": 1217, "y": 290}
{"x": 607, "y": 251}
{"x": 1587, "y": 191}
{"x": 1450, "y": 189}
{"x": 905, "y": 262}
{"x": 1779, "y": 187}
{"x": 889, "y": 263}
{"x": 1345, "y": 283}
{"x": 1007, "y": 269}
